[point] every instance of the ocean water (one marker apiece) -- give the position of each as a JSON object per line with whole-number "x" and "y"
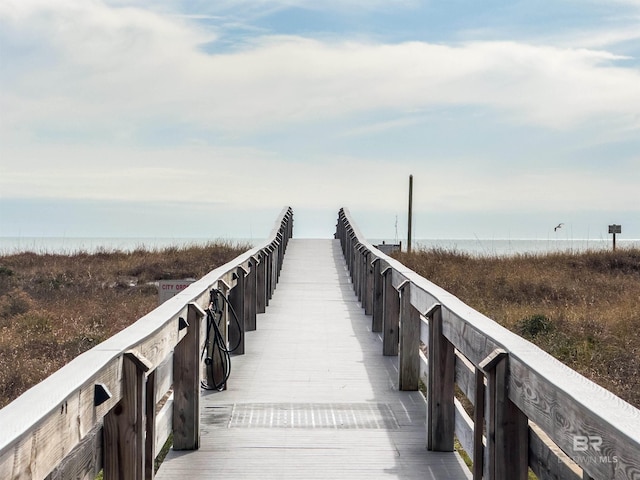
{"x": 475, "y": 246}
{"x": 67, "y": 245}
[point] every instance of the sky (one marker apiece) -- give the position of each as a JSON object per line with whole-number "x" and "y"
{"x": 156, "y": 118}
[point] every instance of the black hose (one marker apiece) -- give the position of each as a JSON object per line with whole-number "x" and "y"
{"x": 215, "y": 344}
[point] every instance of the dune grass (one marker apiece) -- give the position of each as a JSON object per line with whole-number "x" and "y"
{"x": 582, "y": 308}
{"x": 54, "y": 307}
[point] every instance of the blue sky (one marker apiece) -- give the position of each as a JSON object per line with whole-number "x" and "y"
{"x": 198, "y": 118}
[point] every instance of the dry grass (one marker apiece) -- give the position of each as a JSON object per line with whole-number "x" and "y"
{"x": 54, "y": 307}
{"x": 582, "y": 308}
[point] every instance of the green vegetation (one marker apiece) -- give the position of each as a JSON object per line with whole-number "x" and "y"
{"x": 582, "y": 308}
{"x": 54, "y": 307}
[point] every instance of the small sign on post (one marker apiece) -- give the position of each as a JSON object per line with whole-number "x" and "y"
{"x": 615, "y": 229}
{"x": 170, "y": 288}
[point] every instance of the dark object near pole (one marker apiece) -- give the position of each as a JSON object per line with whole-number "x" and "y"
{"x": 410, "y": 213}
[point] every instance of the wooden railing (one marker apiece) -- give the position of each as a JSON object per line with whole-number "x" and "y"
{"x": 530, "y": 410}
{"x": 115, "y": 405}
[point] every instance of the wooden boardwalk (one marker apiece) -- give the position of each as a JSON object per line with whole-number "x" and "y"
{"x": 313, "y": 397}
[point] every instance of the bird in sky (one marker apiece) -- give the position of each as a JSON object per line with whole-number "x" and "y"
{"x": 559, "y": 226}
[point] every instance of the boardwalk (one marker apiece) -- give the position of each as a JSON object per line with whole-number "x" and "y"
{"x": 313, "y": 397}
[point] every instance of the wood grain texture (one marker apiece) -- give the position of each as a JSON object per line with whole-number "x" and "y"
{"x": 440, "y": 393}
{"x": 313, "y": 348}
{"x": 390, "y": 316}
{"x": 409, "y": 358}
{"x": 186, "y": 385}
{"x": 562, "y": 402}
{"x": 46, "y": 423}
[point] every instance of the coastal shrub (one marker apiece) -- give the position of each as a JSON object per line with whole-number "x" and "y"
{"x": 581, "y": 307}
{"x": 55, "y": 306}
{"x": 534, "y": 325}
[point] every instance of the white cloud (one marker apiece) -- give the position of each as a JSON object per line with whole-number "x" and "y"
{"x": 93, "y": 66}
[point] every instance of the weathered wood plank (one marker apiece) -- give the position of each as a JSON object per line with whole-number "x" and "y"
{"x": 124, "y": 425}
{"x": 409, "y": 359}
{"x": 378, "y": 298}
{"x": 332, "y": 362}
{"x": 464, "y": 428}
{"x": 186, "y": 385}
{"x": 548, "y": 461}
{"x": 85, "y": 460}
{"x": 440, "y": 393}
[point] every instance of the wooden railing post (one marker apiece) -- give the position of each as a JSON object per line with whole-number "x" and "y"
{"x": 186, "y": 384}
{"x": 150, "y": 428}
{"x": 441, "y": 409}
{"x": 507, "y": 426}
{"x": 250, "y": 293}
{"x": 269, "y": 273}
{"x": 378, "y": 300}
{"x": 217, "y": 367}
{"x": 261, "y": 283}
{"x": 409, "y": 360}
{"x": 391, "y": 315}
{"x": 236, "y": 323}
{"x": 355, "y": 274}
{"x": 362, "y": 274}
{"x": 124, "y": 426}
{"x": 368, "y": 284}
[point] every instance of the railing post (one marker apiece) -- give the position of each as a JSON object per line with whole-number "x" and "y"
{"x": 378, "y": 301}
{"x": 441, "y": 409}
{"x": 275, "y": 256}
{"x": 150, "y": 429}
{"x": 236, "y": 324}
{"x": 507, "y": 426}
{"x": 362, "y": 275}
{"x": 250, "y": 295}
{"x": 269, "y": 273}
{"x": 368, "y": 284}
{"x": 409, "y": 361}
{"x": 217, "y": 367}
{"x": 124, "y": 425}
{"x": 355, "y": 274}
{"x": 391, "y": 315}
{"x": 261, "y": 283}
{"x": 186, "y": 384}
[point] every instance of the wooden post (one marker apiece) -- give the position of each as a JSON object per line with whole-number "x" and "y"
{"x": 268, "y": 273}
{"x": 441, "y": 409}
{"x": 217, "y": 368}
{"x": 124, "y": 425}
{"x": 391, "y": 315}
{"x": 261, "y": 287}
{"x": 368, "y": 297}
{"x": 507, "y": 426}
{"x": 186, "y": 384}
{"x": 250, "y": 296}
{"x": 409, "y": 361}
{"x": 378, "y": 304}
{"x": 236, "y": 322}
{"x": 409, "y": 226}
{"x": 150, "y": 430}
{"x": 478, "y": 423}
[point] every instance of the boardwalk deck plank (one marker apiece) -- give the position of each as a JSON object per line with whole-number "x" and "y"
{"x": 313, "y": 397}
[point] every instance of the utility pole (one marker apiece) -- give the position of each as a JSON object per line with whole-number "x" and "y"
{"x": 410, "y": 213}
